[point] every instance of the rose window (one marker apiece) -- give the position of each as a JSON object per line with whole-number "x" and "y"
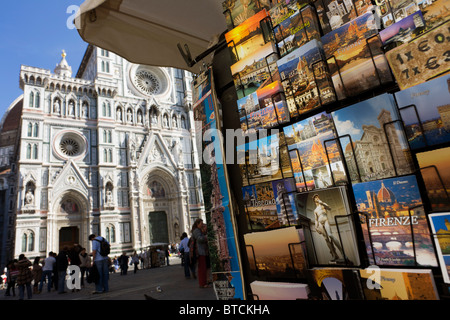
{"x": 69, "y": 147}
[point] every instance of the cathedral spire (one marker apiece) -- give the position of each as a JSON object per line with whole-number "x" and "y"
{"x": 63, "y": 68}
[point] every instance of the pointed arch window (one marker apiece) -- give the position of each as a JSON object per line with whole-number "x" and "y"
{"x": 30, "y": 130}
{"x": 35, "y": 151}
{"x": 36, "y": 130}
{"x": 24, "y": 242}
{"x": 36, "y": 101}
{"x": 31, "y": 99}
{"x": 29, "y": 151}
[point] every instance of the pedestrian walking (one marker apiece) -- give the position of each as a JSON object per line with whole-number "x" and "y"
{"x": 100, "y": 260}
{"x": 24, "y": 277}
{"x": 47, "y": 271}
{"x": 62, "y": 262}
{"x": 123, "y": 263}
{"x": 11, "y": 278}
{"x": 184, "y": 250}
{"x": 37, "y": 274}
{"x": 85, "y": 264}
{"x": 200, "y": 246}
{"x": 135, "y": 261}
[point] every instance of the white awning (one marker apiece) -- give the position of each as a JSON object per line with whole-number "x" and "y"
{"x": 149, "y": 31}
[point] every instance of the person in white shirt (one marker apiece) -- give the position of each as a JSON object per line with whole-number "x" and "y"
{"x": 47, "y": 271}
{"x": 184, "y": 249}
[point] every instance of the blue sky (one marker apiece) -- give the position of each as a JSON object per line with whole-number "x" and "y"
{"x": 33, "y": 33}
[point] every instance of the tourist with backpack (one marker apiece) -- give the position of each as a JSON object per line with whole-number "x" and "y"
{"x": 100, "y": 251}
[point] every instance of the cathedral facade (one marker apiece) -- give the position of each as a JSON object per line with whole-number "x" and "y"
{"x": 108, "y": 151}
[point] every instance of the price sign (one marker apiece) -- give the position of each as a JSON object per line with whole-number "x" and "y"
{"x": 421, "y": 59}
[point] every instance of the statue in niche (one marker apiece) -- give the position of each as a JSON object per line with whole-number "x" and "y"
{"x": 166, "y": 120}
{"x": 139, "y": 117}
{"x": 71, "y": 108}
{"x": 84, "y": 111}
{"x": 129, "y": 116}
{"x": 56, "y": 106}
{"x": 174, "y": 122}
{"x": 109, "y": 197}
{"x": 29, "y": 197}
{"x": 119, "y": 114}
{"x": 154, "y": 117}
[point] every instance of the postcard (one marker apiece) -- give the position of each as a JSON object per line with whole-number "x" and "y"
{"x": 314, "y": 153}
{"x": 394, "y": 222}
{"x": 398, "y": 284}
{"x": 435, "y": 170}
{"x": 391, "y": 11}
{"x": 425, "y": 110}
{"x": 332, "y": 228}
{"x": 372, "y": 139}
{"x": 305, "y": 78}
{"x": 264, "y": 159}
{"x": 265, "y": 290}
{"x": 422, "y": 59}
{"x": 276, "y": 254}
{"x": 335, "y": 13}
{"x": 270, "y": 204}
{"x": 404, "y": 30}
{"x": 297, "y": 29}
{"x": 440, "y": 226}
{"x": 249, "y": 36}
{"x": 238, "y": 11}
{"x": 355, "y": 59}
{"x": 263, "y": 109}
{"x": 335, "y": 284}
{"x": 255, "y": 71}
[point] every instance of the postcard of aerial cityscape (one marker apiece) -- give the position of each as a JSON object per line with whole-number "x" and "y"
{"x": 271, "y": 254}
{"x": 404, "y": 30}
{"x": 435, "y": 170}
{"x": 298, "y": 77}
{"x": 296, "y": 30}
{"x": 332, "y": 229}
{"x": 335, "y": 284}
{"x": 256, "y": 70}
{"x": 248, "y": 37}
{"x": 392, "y": 211}
{"x": 270, "y": 204}
{"x": 312, "y": 147}
{"x": 270, "y": 290}
{"x": 355, "y": 62}
{"x": 399, "y": 284}
{"x": 440, "y": 227}
{"x": 425, "y": 111}
{"x": 238, "y": 11}
{"x": 377, "y": 148}
{"x": 283, "y": 10}
{"x": 333, "y": 14}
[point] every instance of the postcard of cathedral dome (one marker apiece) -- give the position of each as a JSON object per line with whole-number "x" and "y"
{"x": 392, "y": 211}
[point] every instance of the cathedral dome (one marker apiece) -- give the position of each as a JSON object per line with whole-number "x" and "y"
{"x": 385, "y": 195}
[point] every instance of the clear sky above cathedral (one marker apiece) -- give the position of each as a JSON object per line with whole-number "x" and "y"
{"x": 34, "y": 33}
